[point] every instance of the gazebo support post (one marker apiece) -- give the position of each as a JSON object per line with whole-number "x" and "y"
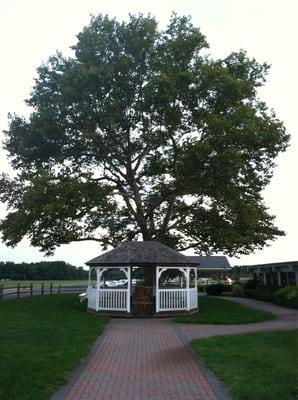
{"x": 128, "y": 288}
{"x": 89, "y": 277}
{"x": 97, "y": 287}
{"x": 157, "y": 290}
{"x": 187, "y": 287}
{"x": 127, "y": 272}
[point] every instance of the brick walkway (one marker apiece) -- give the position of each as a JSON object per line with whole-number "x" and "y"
{"x": 147, "y": 359}
{"x": 141, "y": 359}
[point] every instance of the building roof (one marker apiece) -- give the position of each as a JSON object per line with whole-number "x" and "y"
{"x": 141, "y": 253}
{"x": 211, "y": 262}
{"x": 275, "y": 265}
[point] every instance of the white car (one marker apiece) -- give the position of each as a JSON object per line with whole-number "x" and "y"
{"x": 122, "y": 282}
{"x": 206, "y": 281}
{"x": 111, "y": 284}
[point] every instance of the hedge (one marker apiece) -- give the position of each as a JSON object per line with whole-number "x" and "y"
{"x": 287, "y": 297}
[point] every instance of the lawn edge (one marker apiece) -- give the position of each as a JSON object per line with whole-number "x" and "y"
{"x": 215, "y": 383}
{"x": 74, "y": 375}
{"x": 272, "y": 316}
{"x": 202, "y": 339}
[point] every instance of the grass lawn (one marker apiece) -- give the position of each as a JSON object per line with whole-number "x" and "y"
{"x": 13, "y": 284}
{"x": 254, "y": 366}
{"x": 42, "y": 339}
{"x": 221, "y": 311}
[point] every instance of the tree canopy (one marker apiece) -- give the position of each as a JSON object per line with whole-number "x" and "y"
{"x": 142, "y": 135}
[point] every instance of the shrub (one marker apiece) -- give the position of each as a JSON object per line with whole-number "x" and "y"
{"x": 251, "y": 284}
{"x": 237, "y": 290}
{"x": 287, "y": 297}
{"x": 249, "y": 293}
{"x": 202, "y": 288}
{"x": 215, "y": 290}
{"x": 263, "y": 293}
{"x": 228, "y": 288}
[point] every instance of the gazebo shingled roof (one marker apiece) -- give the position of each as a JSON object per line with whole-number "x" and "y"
{"x": 141, "y": 253}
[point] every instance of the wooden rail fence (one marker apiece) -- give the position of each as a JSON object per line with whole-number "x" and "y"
{"x": 38, "y": 289}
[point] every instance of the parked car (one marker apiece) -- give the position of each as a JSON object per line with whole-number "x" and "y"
{"x": 122, "y": 282}
{"x": 207, "y": 281}
{"x": 111, "y": 284}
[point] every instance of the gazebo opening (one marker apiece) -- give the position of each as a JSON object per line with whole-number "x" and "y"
{"x": 113, "y": 277}
{"x": 142, "y": 289}
{"x": 172, "y": 278}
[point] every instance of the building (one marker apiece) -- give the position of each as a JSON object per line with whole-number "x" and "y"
{"x": 212, "y": 266}
{"x": 274, "y": 274}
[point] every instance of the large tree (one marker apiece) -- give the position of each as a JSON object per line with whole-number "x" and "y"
{"x": 141, "y": 135}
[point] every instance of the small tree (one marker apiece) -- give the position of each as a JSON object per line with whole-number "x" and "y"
{"x": 141, "y": 136}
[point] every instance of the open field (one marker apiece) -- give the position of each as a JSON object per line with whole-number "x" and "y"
{"x": 254, "y": 366}
{"x": 213, "y": 310}
{"x": 42, "y": 339}
{"x": 12, "y": 284}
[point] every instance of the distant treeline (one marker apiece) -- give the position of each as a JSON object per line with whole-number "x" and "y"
{"x": 44, "y": 270}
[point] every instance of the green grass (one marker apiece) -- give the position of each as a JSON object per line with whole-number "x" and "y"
{"x": 254, "y": 366}
{"x": 41, "y": 340}
{"x": 13, "y": 284}
{"x": 213, "y": 310}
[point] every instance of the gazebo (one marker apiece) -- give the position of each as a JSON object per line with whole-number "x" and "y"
{"x": 169, "y": 286}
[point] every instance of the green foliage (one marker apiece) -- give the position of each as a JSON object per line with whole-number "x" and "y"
{"x": 44, "y": 270}
{"x": 287, "y": 297}
{"x": 215, "y": 290}
{"x": 256, "y": 366}
{"x": 251, "y": 284}
{"x": 202, "y": 288}
{"x": 237, "y": 290}
{"x": 140, "y": 135}
{"x": 263, "y": 293}
{"x": 221, "y": 311}
{"x": 42, "y": 339}
{"x": 249, "y": 293}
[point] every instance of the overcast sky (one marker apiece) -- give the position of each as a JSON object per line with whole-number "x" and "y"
{"x": 32, "y": 30}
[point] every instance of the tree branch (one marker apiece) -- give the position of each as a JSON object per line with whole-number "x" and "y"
{"x": 168, "y": 215}
{"x": 159, "y": 201}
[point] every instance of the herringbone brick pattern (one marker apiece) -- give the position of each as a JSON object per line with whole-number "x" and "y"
{"x": 141, "y": 359}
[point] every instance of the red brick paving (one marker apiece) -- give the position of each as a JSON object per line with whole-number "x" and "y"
{"x": 141, "y": 359}
{"x": 144, "y": 359}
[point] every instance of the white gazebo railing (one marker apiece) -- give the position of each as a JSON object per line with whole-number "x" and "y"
{"x": 172, "y": 300}
{"x": 183, "y": 298}
{"x": 102, "y": 299}
{"x": 178, "y": 299}
{"x": 193, "y": 298}
{"x": 108, "y": 299}
{"x": 113, "y": 299}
